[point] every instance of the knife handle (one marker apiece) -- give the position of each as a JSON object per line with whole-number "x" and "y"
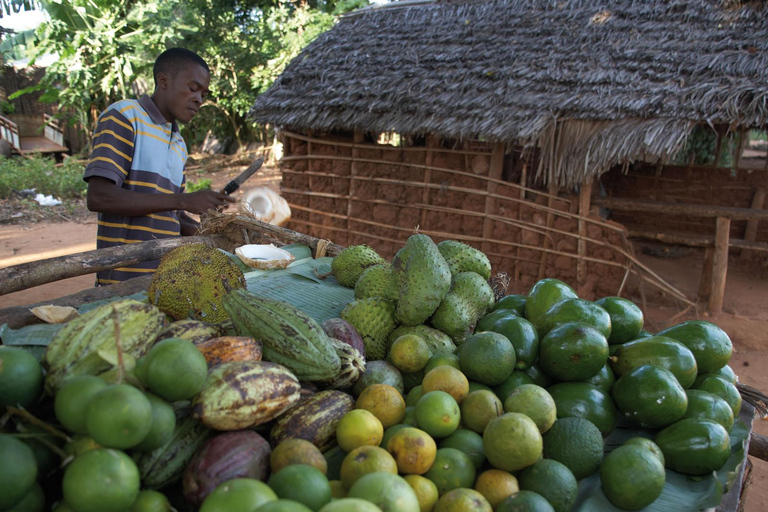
{"x": 231, "y": 187}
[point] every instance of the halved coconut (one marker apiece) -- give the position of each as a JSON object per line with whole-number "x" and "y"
{"x": 55, "y": 314}
{"x": 264, "y": 256}
{"x": 268, "y": 204}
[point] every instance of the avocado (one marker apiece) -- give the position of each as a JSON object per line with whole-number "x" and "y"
{"x": 514, "y": 303}
{"x": 694, "y": 446}
{"x": 573, "y": 352}
{"x": 522, "y": 334}
{"x": 702, "y": 404}
{"x": 658, "y": 351}
{"x": 650, "y": 396}
{"x": 545, "y": 294}
{"x": 710, "y": 345}
{"x": 626, "y": 319}
{"x": 582, "y": 400}
{"x": 574, "y": 310}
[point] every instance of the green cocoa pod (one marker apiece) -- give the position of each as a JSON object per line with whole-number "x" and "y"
{"x": 190, "y": 330}
{"x": 314, "y": 419}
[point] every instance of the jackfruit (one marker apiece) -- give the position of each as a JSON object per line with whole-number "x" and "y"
{"x": 190, "y": 282}
{"x": 374, "y": 319}
{"x": 424, "y": 278}
{"x": 464, "y": 258}
{"x": 350, "y": 264}
{"x": 377, "y": 281}
{"x": 467, "y": 301}
{"x": 437, "y": 341}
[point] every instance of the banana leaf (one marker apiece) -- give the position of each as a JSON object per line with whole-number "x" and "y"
{"x": 32, "y": 338}
{"x": 681, "y": 493}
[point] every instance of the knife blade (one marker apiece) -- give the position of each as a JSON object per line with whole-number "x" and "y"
{"x": 250, "y": 171}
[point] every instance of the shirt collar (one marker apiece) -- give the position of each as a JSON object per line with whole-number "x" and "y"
{"x": 146, "y": 102}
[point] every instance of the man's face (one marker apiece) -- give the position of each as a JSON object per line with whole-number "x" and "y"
{"x": 186, "y": 92}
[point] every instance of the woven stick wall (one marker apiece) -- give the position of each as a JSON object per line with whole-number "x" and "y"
{"x": 355, "y": 192}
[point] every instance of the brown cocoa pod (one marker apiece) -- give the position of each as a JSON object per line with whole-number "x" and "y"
{"x": 240, "y": 454}
{"x": 313, "y": 418}
{"x": 344, "y": 331}
{"x": 226, "y": 349}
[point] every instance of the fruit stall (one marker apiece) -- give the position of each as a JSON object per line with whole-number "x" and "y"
{"x": 260, "y": 369}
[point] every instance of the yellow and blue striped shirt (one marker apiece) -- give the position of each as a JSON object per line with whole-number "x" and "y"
{"x": 135, "y": 147}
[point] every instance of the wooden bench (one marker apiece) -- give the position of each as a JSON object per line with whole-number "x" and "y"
{"x": 32, "y": 133}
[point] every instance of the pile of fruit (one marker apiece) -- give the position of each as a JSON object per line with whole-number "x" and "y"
{"x": 427, "y": 393}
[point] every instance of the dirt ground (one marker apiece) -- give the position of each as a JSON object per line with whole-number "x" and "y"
{"x": 32, "y": 237}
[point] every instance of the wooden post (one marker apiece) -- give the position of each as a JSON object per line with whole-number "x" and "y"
{"x": 432, "y": 142}
{"x": 705, "y": 285}
{"x": 758, "y": 200}
{"x": 357, "y": 139}
{"x": 494, "y": 172}
{"x": 523, "y": 184}
{"x": 720, "y": 265}
{"x": 585, "y": 194}
{"x": 550, "y": 222}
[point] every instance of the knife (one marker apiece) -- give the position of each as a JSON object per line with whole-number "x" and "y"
{"x": 250, "y": 171}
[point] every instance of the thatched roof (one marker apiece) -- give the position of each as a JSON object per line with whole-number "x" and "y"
{"x": 592, "y": 83}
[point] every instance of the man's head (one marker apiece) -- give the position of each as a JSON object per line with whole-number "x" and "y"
{"x": 181, "y": 84}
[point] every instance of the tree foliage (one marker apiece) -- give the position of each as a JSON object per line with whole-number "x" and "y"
{"x": 106, "y": 49}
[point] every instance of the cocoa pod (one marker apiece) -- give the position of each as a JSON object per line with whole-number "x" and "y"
{"x": 344, "y": 331}
{"x": 195, "y": 331}
{"x": 352, "y": 366}
{"x": 240, "y": 454}
{"x": 227, "y": 349}
{"x": 243, "y": 394}
{"x": 314, "y": 418}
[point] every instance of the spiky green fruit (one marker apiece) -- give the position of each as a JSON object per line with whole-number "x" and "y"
{"x": 467, "y": 301}
{"x": 377, "y": 281}
{"x": 437, "y": 341}
{"x": 374, "y": 319}
{"x": 350, "y": 264}
{"x": 424, "y": 278}
{"x": 464, "y": 258}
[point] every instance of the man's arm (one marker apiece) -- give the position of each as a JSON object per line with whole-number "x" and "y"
{"x": 104, "y": 196}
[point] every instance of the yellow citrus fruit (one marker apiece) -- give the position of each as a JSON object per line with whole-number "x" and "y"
{"x": 413, "y": 450}
{"x": 437, "y": 413}
{"x": 409, "y": 353}
{"x": 512, "y": 441}
{"x": 425, "y": 489}
{"x": 480, "y": 407}
{"x": 535, "y": 402}
{"x": 383, "y": 401}
{"x": 358, "y": 428}
{"x": 496, "y": 485}
{"x": 449, "y": 379}
{"x": 297, "y": 451}
{"x": 364, "y": 460}
{"x": 413, "y": 395}
{"x": 462, "y": 500}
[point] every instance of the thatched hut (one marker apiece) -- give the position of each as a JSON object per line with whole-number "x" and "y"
{"x": 480, "y": 120}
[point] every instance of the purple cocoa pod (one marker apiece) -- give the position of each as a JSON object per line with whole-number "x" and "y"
{"x": 344, "y": 331}
{"x": 239, "y": 454}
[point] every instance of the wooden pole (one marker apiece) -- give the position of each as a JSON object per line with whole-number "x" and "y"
{"x": 758, "y": 200}
{"x": 720, "y": 265}
{"x": 494, "y": 172}
{"x": 523, "y": 183}
{"x": 705, "y": 285}
{"x": 697, "y": 210}
{"x": 585, "y": 194}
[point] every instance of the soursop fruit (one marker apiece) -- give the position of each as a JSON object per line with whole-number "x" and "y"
{"x": 377, "y": 281}
{"x": 467, "y": 301}
{"x": 374, "y": 319}
{"x": 464, "y": 258}
{"x": 437, "y": 341}
{"x": 424, "y": 278}
{"x": 350, "y": 264}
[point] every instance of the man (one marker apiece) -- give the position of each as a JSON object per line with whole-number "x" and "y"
{"x": 136, "y": 175}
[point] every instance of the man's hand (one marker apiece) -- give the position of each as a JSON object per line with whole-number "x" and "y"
{"x": 204, "y": 200}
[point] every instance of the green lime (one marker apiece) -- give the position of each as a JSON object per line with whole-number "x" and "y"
{"x": 525, "y": 501}
{"x": 72, "y": 399}
{"x": 151, "y": 501}
{"x": 283, "y": 505}
{"x": 441, "y": 359}
{"x": 480, "y": 407}
{"x": 174, "y": 369}
{"x": 632, "y": 477}
{"x": 488, "y": 358}
{"x": 452, "y": 469}
{"x": 469, "y": 442}
{"x": 535, "y": 402}
{"x": 577, "y": 444}
{"x": 390, "y": 492}
{"x": 518, "y": 378}
{"x": 437, "y": 413}
{"x": 18, "y": 470}
{"x": 163, "y": 424}
{"x": 350, "y": 505}
{"x": 21, "y": 378}
{"x": 241, "y": 494}
{"x": 553, "y": 481}
{"x": 647, "y": 444}
{"x": 33, "y": 501}
{"x": 118, "y": 416}
{"x": 409, "y": 353}
{"x": 303, "y": 483}
{"x": 101, "y": 480}
{"x": 512, "y": 441}
{"x": 462, "y": 499}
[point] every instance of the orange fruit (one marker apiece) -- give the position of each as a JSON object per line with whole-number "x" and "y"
{"x": 409, "y": 353}
{"x": 101, "y": 480}
{"x": 496, "y": 485}
{"x": 357, "y": 428}
{"x": 364, "y": 460}
{"x": 437, "y": 413}
{"x": 479, "y": 408}
{"x": 462, "y": 500}
{"x": 385, "y": 402}
{"x": 512, "y": 441}
{"x": 425, "y": 489}
{"x": 535, "y": 402}
{"x": 297, "y": 451}
{"x": 448, "y": 379}
{"x": 413, "y": 450}
{"x": 452, "y": 469}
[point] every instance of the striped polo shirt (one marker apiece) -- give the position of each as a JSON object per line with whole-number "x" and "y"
{"x": 135, "y": 147}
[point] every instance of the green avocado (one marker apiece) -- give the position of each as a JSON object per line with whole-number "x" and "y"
{"x": 514, "y": 303}
{"x": 522, "y": 334}
{"x": 650, "y": 396}
{"x": 582, "y": 400}
{"x": 702, "y": 404}
{"x": 573, "y": 352}
{"x": 710, "y": 345}
{"x": 514, "y": 381}
{"x": 489, "y": 320}
{"x": 626, "y": 319}
{"x": 726, "y": 372}
{"x": 605, "y": 379}
{"x": 545, "y": 294}
{"x": 694, "y": 446}
{"x": 718, "y": 386}
{"x": 574, "y": 310}
{"x": 658, "y": 351}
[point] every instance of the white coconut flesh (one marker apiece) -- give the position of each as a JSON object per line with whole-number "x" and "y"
{"x": 264, "y": 256}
